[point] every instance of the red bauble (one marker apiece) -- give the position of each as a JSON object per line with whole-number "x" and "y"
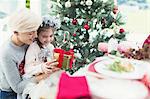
{"x": 121, "y": 30}
{"x": 86, "y": 26}
{"x": 74, "y": 21}
{"x": 74, "y": 34}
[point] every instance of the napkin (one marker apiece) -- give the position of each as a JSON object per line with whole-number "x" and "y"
{"x": 73, "y": 88}
{"x": 91, "y": 66}
{"x": 146, "y": 81}
{"x": 147, "y": 41}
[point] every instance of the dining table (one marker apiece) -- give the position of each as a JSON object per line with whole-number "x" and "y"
{"x": 101, "y": 85}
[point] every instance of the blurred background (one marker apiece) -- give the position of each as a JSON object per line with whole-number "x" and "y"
{"x": 136, "y": 13}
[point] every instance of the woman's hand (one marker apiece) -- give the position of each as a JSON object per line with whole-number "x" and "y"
{"x": 41, "y": 77}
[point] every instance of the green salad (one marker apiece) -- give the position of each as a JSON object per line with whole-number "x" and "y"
{"x": 119, "y": 66}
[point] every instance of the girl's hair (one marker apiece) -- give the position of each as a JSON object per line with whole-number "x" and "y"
{"x": 24, "y": 20}
{"x": 49, "y": 22}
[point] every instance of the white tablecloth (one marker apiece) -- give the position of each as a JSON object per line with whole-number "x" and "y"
{"x": 106, "y": 88}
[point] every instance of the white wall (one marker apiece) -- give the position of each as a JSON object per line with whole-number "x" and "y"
{"x": 35, "y": 6}
{"x": 137, "y": 23}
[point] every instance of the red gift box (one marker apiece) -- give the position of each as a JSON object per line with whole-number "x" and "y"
{"x": 64, "y": 58}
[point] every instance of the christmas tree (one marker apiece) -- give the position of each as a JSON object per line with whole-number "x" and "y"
{"x": 84, "y": 24}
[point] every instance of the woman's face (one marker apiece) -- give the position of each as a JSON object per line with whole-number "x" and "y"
{"x": 27, "y": 37}
{"x": 46, "y": 37}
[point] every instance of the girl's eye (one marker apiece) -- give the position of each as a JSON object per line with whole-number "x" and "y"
{"x": 51, "y": 36}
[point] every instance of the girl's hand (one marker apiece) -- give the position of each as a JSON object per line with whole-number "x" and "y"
{"x": 52, "y": 63}
{"x": 49, "y": 67}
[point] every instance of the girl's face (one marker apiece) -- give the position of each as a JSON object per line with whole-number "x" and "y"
{"x": 46, "y": 37}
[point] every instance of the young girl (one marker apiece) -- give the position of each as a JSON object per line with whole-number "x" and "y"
{"x": 40, "y": 52}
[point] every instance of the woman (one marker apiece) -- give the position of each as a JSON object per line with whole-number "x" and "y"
{"x": 24, "y": 25}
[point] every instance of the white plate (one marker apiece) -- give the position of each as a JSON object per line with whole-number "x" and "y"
{"x": 137, "y": 73}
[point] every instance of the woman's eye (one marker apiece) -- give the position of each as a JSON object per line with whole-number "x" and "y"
{"x": 44, "y": 36}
